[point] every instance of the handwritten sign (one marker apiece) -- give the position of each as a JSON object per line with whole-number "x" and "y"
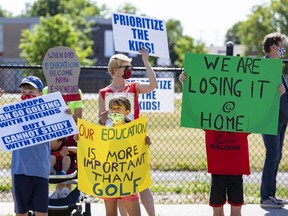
{"x": 34, "y": 121}
{"x": 61, "y": 68}
{"x": 113, "y": 161}
{"x": 231, "y": 93}
{"x": 132, "y": 32}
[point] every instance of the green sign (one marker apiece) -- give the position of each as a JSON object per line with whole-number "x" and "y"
{"x": 231, "y": 93}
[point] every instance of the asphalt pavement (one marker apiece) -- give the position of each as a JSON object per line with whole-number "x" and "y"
{"x": 98, "y": 209}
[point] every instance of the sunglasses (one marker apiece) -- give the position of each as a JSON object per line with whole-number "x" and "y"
{"x": 127, "y": 67}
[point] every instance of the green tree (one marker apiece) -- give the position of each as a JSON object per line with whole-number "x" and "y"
{"x": 51, "y": 32}
{"x": 127, "y": 8}
{"x": 252, "y": 31}
{"x": 82, "y": 8}
{"x": 232, "y": 34}
{"x": 187, "y": 44}
{"x": 76, "y": 11}
{"x": 263, "y": 20}
{"x": 4, "y": 13}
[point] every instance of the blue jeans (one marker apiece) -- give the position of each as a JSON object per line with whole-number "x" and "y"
{"x": 273, "y": 145}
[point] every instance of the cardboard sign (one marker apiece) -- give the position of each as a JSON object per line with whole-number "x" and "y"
{"x": 132, "y": 32}
{"x": 113, "y": 161}
{"x": 34, "y": 121}
{"x": 61, "y": 68}
{"x": 231, "y": 93}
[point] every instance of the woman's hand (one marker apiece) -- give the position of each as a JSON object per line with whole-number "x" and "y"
{"x": 145, "y": 55}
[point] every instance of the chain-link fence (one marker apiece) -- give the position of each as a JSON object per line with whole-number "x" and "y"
{"x": 178, "y": 158}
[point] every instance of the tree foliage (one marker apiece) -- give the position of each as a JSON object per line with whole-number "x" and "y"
{"x": 232, "y": 34}
{"x": 76, "y": 31}
{"x": 262, "y": 20}
{"x": 82, "y": 8}
{"x": 68, "y": 24}
{"x": 51, "y": 32}
{"x": 4, "y": 13}
{"x": 127, "y": 8}
{"x": 253, "y": 30}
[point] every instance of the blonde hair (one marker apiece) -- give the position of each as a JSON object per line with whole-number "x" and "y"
{"x": 116, "y": 60}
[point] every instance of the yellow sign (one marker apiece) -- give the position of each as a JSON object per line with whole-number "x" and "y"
{"x": 113, "y": 161}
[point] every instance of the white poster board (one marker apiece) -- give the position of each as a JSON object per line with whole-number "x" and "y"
{"x": 132, "y": 32}
{"x": 160, "y": 99}
{"x": 35, "y": 121}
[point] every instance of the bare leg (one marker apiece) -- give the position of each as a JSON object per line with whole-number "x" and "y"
{"x": 148, "y": 201}
{"x": 236, "y": 210}
{"x": 111, "y": 207}
{"x": 52, "y": 160}
{"x": 66, "y": 163}
{"x": 41, "y": 213}
{"x": 122, "y": 208}
{"x": 133, "y": 207}
{"x": 218, "y": 211}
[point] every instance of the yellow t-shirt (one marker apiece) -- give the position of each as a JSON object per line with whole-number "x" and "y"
{"x": 72, "y": 104}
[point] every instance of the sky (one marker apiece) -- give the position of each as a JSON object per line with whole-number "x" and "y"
{"x": 205, "y": 20}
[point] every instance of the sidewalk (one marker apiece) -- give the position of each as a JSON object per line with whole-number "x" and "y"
{"x": 6, "y": 208}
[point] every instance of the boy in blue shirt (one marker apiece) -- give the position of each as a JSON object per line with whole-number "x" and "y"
{"x": 31, "y": 166}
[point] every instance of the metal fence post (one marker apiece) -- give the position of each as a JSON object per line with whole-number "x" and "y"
{"x": 229, "y": 48}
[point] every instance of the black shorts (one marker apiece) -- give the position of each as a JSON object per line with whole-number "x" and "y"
{"x": 225, "y": 187}
{"x": 30, "y": 193}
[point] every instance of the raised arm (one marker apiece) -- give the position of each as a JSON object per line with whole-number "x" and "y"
{"x": 147, "y": 87}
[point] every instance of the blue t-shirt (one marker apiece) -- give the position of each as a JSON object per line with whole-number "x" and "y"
{"x": 32, "y": 161}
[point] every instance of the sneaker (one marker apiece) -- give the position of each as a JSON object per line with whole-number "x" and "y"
{"x": 282, "y": 201}
{"x": 271, "y": 202}
{"x": 52, "y": 171}
{"x": 61, "y": 172}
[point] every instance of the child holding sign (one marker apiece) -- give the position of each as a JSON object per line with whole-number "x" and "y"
{"x": 119, "y": 108}
{"x": 227, "y": 160}
{"x": 31, "y": 165}
{"x": 120, "y": 69}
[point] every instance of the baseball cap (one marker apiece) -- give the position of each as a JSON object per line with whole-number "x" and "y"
{"x": 33, "y": 81}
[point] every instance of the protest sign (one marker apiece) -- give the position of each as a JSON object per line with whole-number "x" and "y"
{"x": 160, "y": 99}
{"x": 113, "y": 161}
{"x": 61, "y": 68}
{"x": 34, "y": 121}
{"x": 231, "y": 93}
{"x": 132, "y": 32}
